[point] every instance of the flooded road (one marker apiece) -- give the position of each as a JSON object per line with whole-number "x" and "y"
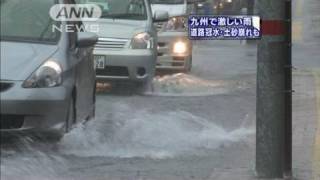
{"x": 188, "y": 126}
{"x": 184, "y": 119}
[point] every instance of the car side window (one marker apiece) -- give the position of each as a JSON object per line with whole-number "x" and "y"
{"x": 136, "y": 7}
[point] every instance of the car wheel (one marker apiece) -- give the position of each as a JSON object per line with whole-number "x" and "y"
{"x": 71, "y": 117}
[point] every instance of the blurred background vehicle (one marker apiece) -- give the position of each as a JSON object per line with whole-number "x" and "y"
{"x": 204, "y": 7}
{"x": 227, "y": 7}
{"x": 50, "y": 83}
{"x": 126, "y": 50}
{"x": 174, "y": 47}
{"x": 216, "y": 7}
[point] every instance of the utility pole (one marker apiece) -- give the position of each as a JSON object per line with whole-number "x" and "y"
{"x": 274, "y": 91}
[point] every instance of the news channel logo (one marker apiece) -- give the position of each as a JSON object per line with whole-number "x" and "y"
{"x": 70, "y": 13}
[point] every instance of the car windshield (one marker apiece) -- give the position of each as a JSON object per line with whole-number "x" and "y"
{"x": 23, "y": 20}
{"x": 167, "y": 1}
{"x": 121, "y": 9}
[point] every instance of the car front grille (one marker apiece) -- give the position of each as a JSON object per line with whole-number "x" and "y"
{"x": 5, "y": 86}
{"x": 162, "y": 44}
{"x": 163, "y": 48}
{"x": 113, "y": 71}
{"x": 111, "y": 43}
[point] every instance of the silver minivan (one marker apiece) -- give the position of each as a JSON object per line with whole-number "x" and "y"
{"x": 47, "y": 77}
{"x": 126, "y": 50}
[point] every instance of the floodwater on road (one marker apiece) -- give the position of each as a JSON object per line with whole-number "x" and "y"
{"x": 188, "y": 126}
{"x": 126, "y": 127}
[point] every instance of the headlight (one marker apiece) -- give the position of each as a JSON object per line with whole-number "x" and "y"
{"x": 176, "y": 23}
{"x": 200, "y": 5}
{"x": 47, "y": 75}
{"x": 180, "y": 47}
{"x": 142, "y": 41}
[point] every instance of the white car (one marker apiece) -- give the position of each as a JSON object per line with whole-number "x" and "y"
{"x": 126, "y": 50}
{"x": 174, "y": 47}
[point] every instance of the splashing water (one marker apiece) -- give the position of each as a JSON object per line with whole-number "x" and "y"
{"x": 145, "y": 134}
{"x": 121, "y": 133}
{"x": 185, "y": 85}
{"x": 35, "y": 165}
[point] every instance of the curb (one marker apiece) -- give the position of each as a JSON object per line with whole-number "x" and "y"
{"x": 316, "y": 150}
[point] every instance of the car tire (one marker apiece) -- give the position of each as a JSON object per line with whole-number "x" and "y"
{"x": 71, "y": 116}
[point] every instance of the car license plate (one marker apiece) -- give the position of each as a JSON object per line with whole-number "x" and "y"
{"x": 100, "y": 61}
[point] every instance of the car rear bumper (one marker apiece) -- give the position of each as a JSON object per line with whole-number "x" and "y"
{"x": 127, "y": 65}
{"x": 39, "y": 108}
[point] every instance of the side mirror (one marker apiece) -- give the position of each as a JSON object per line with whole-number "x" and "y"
{"x": 86, "y": 39}
{"x": 161, "y": 16}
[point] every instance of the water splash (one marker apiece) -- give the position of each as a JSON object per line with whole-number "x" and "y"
{"x": 36, "y": 165}
{"x": 185, "y": 85}
{"x": 145, "y": 134}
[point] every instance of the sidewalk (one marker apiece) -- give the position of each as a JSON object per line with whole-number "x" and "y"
{"x": 305, "y": 125}
{"x": 306, "y": 135}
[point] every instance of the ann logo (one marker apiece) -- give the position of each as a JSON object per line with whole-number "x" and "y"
{"x": 79, "y": 12}
{"x": 73, "y": 12}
